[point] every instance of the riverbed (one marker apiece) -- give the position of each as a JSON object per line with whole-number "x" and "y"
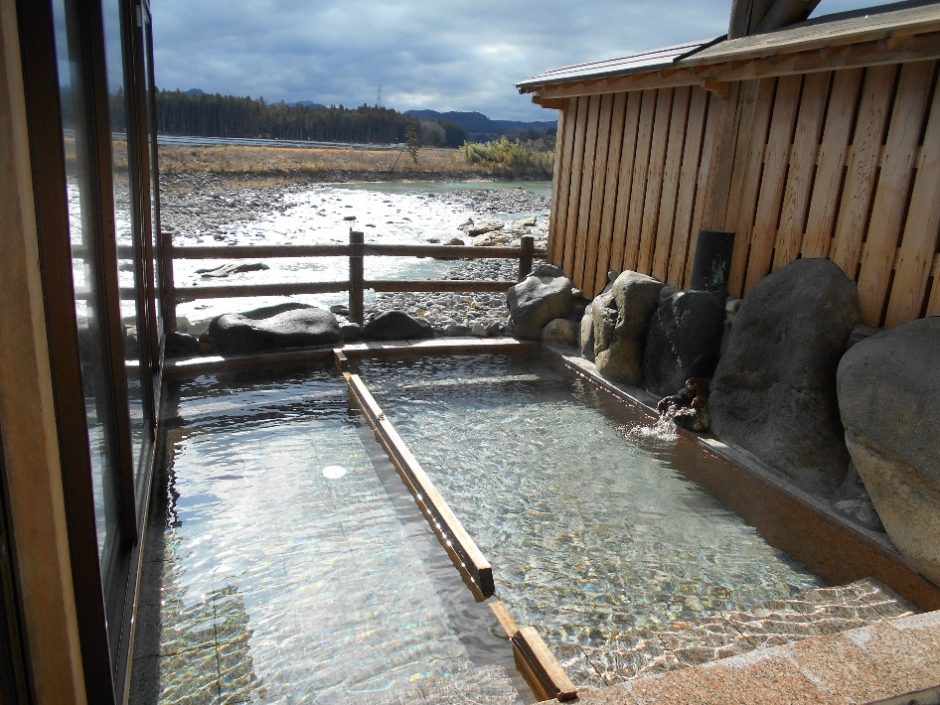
{"x": 199, "y": 209}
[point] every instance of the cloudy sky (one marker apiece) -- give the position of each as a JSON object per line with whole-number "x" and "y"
{"x": 442, "y": 54}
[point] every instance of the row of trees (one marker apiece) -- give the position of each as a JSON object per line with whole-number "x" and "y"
{"x": 215, "y": 115}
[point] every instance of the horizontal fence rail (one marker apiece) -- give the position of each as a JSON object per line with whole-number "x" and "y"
{"x": 356, "y": 285}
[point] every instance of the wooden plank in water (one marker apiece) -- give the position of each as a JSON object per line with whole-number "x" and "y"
{"x": 830, "y": 163}
{"x": 466, "y": 556}
{"x": 505, "y": 619}
{"x": 921, "y": 232}
{"x": 802, "y": 165}
{"x": 857, "y": 195}
{"x": 892, "y": 191}
{"x": 439, "y": 346}
{"x": 544, "y": 665}
{"x": 611, "y": 184}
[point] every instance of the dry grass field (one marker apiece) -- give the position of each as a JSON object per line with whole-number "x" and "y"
{"x": 317, "y": 163}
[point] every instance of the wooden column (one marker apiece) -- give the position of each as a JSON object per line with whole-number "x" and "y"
{"x": 356, "y": 307}
{"x": 525, "y": 257}
{"x": 31, "y": 461}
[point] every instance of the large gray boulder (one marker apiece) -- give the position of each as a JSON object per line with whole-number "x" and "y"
{"x": 621, "y": 319}
{"x": 774, "y": 390}
{"x": 544, "y": 295}
{"x": 288, "y": 325}
{"x": 396, "y": 325}
{"x": 683, "y": 339}
{"x": 888, "y": 386}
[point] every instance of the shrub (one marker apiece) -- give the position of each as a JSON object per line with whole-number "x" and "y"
{"x": 513, "y": 158}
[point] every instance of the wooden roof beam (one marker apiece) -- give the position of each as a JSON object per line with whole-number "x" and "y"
{"x": 921, "y": 47}
{"x": 757, "y": 16}
{"x": 786, "y": 12}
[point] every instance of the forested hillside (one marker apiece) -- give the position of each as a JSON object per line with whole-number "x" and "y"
{"x": 214, "y": 115}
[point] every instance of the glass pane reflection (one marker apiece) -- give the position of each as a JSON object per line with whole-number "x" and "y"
{"x": 85, "y": 237}
{"x": 129, "y": 250}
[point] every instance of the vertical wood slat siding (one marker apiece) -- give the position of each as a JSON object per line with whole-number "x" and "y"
{"x": 824, "y": 201}
{"x": 829, "y": 164}
{"x": 799, "y": 186}
{"x": 745, "y": 190}
{"x": 559, "y": 185}
{"x": 688, "y": 176}
{"x": 711, "y": 132}
{"x": 631, "y": 126}
{"x": 854, "y": 208}
{"x": 654, "y": 178}
{"x": 611, "y": 185}
{"x": 894, "y": 179}
{"x": 920, "y": 242}
{"x": 773, "y": 178}
{"x": 598, "y": 191}
{"x": 587, "y": 184}
{"x": 662, "y": 238}
{"x": 644, "y": 142}
{"x": 574, "y": 189}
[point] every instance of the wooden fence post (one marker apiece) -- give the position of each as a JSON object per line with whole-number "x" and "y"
{"x": 525, "y": 257}
{"x": 167, "y": 283}
{"x": 355, "y": 277}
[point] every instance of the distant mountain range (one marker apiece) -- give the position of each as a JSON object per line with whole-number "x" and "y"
{"x": 480, "y": 128}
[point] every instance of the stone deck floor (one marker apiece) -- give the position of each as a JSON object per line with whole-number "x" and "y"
{"x": 890, "y": 662}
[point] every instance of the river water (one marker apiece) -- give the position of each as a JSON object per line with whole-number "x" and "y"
{"x": 387, "y": 213}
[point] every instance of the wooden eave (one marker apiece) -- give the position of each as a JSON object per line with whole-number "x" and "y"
{"x": 900, "y": 36}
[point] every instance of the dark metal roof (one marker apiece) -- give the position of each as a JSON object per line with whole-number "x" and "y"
{"x": 642, "y": 61}
{"x": 847, "y": 27}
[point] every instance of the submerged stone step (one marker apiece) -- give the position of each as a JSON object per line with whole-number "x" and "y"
{"x": 487, "y": 685}
{"x": 817, "y": 612}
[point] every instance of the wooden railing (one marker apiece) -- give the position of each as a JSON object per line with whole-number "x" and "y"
{"x": 356, "y": 285}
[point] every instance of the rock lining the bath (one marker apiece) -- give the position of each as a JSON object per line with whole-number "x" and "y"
{"x": 396, "y": 325}
{"x": 683, "y": 339}
{"x": 277, "y": 327}
{"x": 887, "y": 387}
{"x": 620, "y": 320}
{"x": 544, "y": 295}
{"x": 773, "y": 392}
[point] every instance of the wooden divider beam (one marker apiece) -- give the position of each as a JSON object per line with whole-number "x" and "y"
{"x": 543, "y": 665}
{"x": 467, "y": 557}
{"x": 231, "y": 292}
{"x": 356, "y": 275}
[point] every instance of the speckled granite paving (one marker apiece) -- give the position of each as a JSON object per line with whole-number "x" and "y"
{"x": 814, "y": 613}
{"x": 888, "y": 662}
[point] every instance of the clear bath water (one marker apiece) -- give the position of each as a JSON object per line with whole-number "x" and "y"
{"x": 288, "y": 564}
{"x": 596, "y": 536}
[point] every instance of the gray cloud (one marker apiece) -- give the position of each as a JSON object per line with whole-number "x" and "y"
{"x": 443, "y": 55}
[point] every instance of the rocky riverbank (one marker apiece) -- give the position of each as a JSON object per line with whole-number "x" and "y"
{"x": 205, "y": 209}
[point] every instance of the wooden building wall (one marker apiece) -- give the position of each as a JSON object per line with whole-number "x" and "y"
{"x": 842, "y": 164}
